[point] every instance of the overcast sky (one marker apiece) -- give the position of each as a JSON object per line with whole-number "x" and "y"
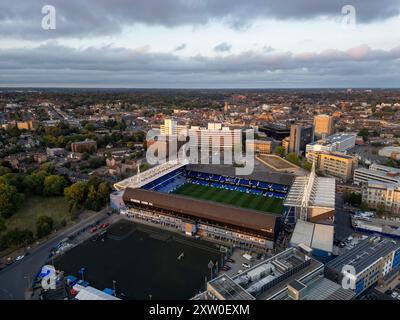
{"x": 201, "y": 44}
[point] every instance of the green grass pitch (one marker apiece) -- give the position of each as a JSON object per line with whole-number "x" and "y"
{"x": 234, "y": 198}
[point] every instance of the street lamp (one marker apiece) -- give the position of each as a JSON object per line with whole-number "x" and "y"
{"x": 115, "y": 292}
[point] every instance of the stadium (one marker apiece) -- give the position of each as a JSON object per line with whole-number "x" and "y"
{"x": 209, "y": 201}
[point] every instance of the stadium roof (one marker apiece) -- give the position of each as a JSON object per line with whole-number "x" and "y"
{"x": 322, "y": 193}
{"x": 246, "y": 218}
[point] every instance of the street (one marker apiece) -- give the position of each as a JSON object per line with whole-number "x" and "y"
{"x": 15, "y": 279}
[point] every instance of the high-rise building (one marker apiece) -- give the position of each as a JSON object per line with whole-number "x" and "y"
{"x": 323, "y": 125}
{"x": 171, "y": 127}
{"x": 300, "y": 136}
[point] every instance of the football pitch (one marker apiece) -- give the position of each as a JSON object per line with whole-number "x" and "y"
{"x": 234, "y": 198}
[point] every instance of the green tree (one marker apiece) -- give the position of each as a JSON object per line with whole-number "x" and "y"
{"x": 10, "y": 200}
{"x": 364, "y": 133}
{"x": 2, "y": 225}
{"x": 54, "y": 185}
{"x": 4, "y": 170}
{"x": 293, "y": 158}
{"x": 280, "y": 151}
{"x": 75, "y": 192}
{"x": 44, "y": 226}
{"x": 380, "y": 209}
{"x": 364, "y": 206}
{"x": 307, "y": 165}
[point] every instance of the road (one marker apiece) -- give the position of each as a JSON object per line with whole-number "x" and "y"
{"x": 342, "y": 221}
{"x": 14, "y": 279}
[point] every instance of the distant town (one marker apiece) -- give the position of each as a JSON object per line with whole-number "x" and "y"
{"x": 318, "y": 217}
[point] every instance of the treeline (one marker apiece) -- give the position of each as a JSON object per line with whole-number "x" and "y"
{"x": 91, "y": 195}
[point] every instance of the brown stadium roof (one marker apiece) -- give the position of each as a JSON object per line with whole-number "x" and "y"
{"x": 245, "y": 218}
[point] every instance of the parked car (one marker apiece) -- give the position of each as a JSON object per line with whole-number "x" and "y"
{"x": 230, "y": 260}
{"x": 104, "y": 225}
{"x": 19, "y": 258}
{"x": 94, "y": 229}
{"x": 389, "y": 292}
{"x": 240, "y": 271}
{"x": 246, "y": 265}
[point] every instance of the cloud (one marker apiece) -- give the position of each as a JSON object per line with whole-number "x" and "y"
{"x": 57, "y": 65}
{"x": 180, "y": 47}
{"x": 222, "y": 47}
{"x": 77, "y": 18}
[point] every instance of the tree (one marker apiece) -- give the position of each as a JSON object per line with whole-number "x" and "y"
{"x": 34, "y": 183}
{"x": 75, "y": 192}
{"x": 16, "y": 237}
{"x": 364, "y": 206}
{"x": 280, "y": 151}
{"x": 307, "y": 165}
{"x": 380, "y": 209}
{"x": 2, "y": 225}
{"x": 4, "y": 170}
{"x": 293, "y": 158}
{"x": 10, "y": 200}
{"x": 89, "y": 126}
{"x": 364, "y": 133}
{"x": 352, "y": 198}
{"x": 54, "y": 185}
{"x": 44, "y": 226}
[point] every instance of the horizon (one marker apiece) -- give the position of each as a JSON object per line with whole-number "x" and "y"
{"x": 200, "y": 44}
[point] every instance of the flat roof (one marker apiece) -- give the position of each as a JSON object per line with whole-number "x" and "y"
{"x": 316, "y": 236}
{"x": 229, "y": 289}
{"x": 246, "y": 218}
{"x": 364, "y": 254}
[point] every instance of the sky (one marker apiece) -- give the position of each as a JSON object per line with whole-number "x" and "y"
{"x": 200, "y": 43}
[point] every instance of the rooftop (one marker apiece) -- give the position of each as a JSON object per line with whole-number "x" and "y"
{"x": 364, "y": 254}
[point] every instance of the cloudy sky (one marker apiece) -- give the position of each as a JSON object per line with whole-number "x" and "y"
{"x": 201, "y": 43}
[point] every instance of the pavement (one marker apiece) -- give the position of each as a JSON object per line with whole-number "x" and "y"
{"x": 16, "y": 278}
{"x": 343, "y": 227}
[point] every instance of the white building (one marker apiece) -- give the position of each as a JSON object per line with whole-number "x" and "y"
{"x": 337, "y": 142}
{"x": 378, "y": 173}
{"x": 390, "y": 152}
{"x": 377, "y": 194}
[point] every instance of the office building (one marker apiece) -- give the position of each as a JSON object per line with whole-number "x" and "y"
{"x": 379, "y": 194}
{"x": 260, "y": 146}
{"x": 338, "y": 142}
{"x": 266, "y": 280}
{"x": 300, "y": 136}
{"x": 323, "y": 126}
{"x": 275, "y": 130}
{"x": 335, "y": 164}
{"x": 171, "y": 127}
{"x": 372, "y": 261}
